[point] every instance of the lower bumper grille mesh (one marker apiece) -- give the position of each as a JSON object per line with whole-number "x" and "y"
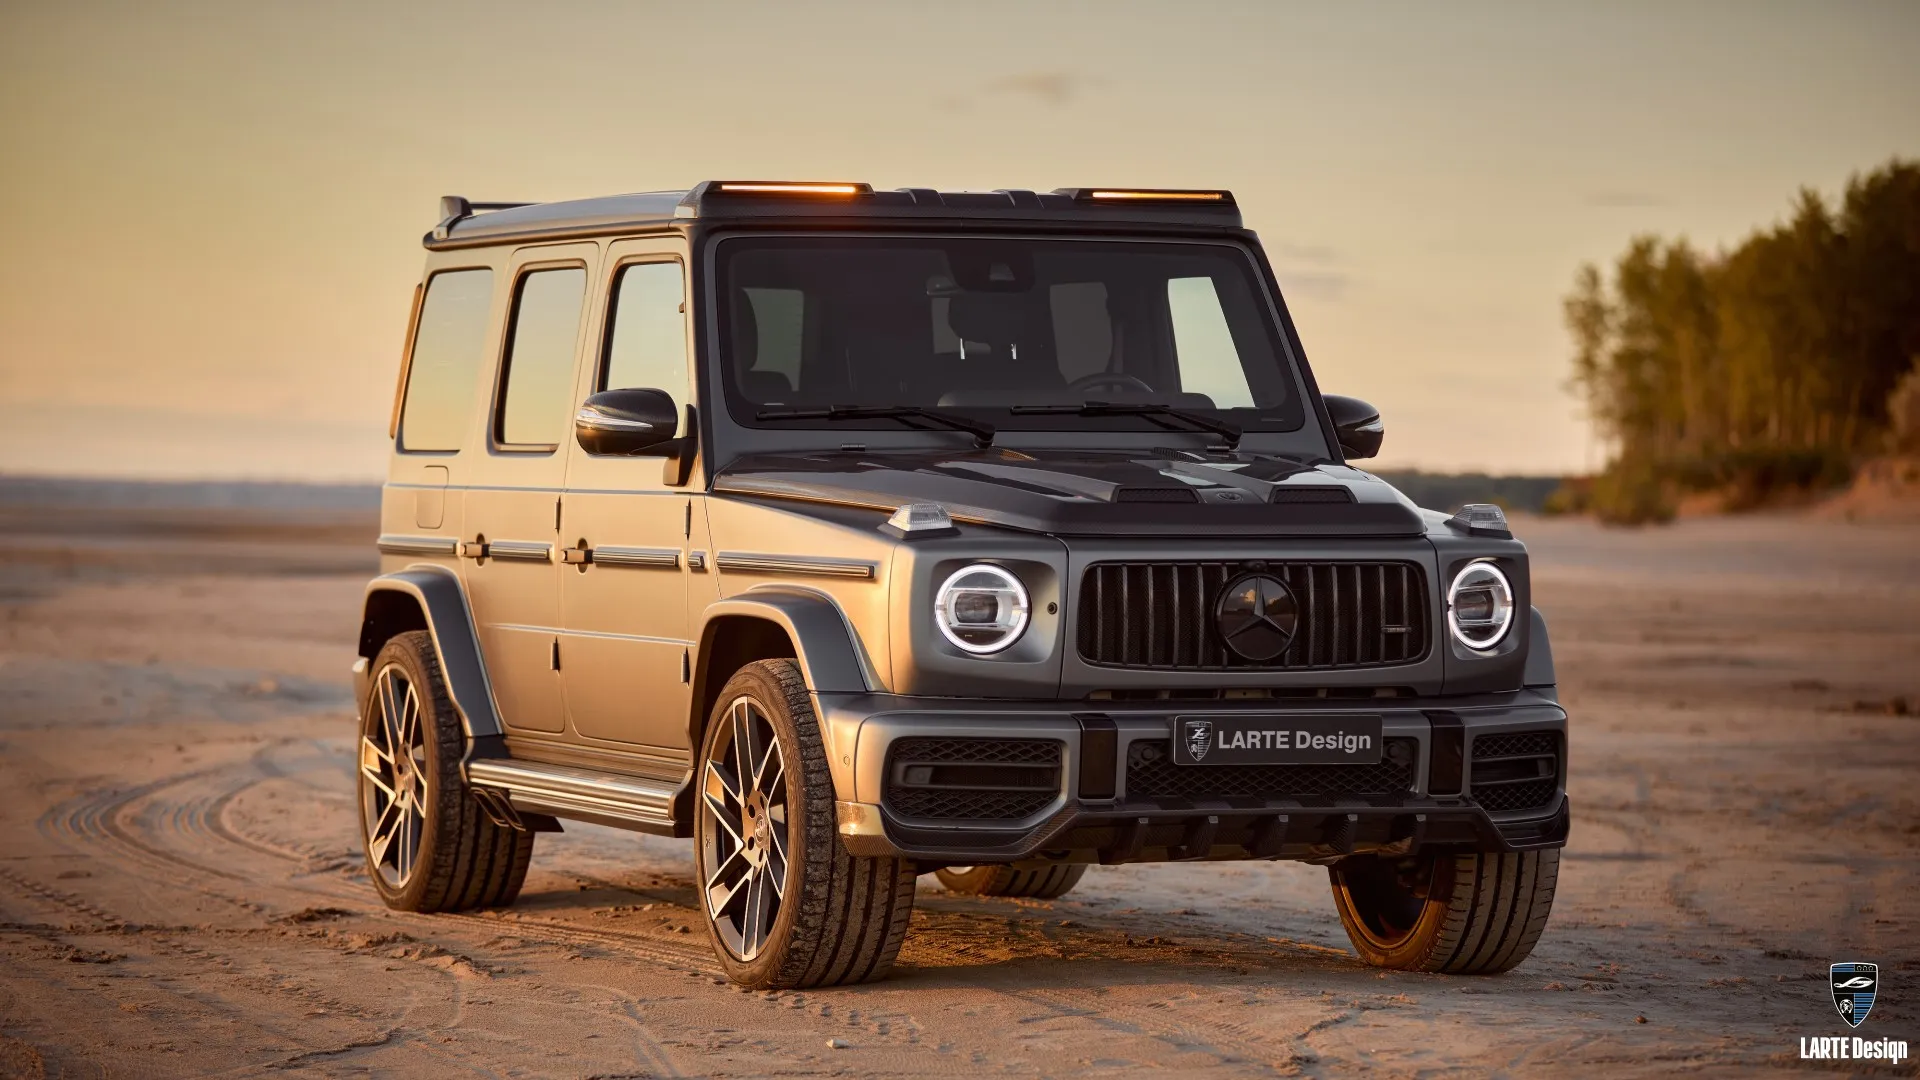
{"x": 939, "y": 779}
{"x": 1152, "y": 776}
{"x": 1519, "y": 771}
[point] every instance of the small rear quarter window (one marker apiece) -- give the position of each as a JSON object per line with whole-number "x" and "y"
{"x": 448, "y": 347}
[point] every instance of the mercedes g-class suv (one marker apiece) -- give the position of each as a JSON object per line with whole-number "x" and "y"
{"x": 861, "y": 534}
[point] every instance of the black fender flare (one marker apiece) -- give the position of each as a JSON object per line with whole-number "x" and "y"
{"x": 442, "y": 602}
{"x": 1539, "y": 670}
{"x": 825, "y": 644}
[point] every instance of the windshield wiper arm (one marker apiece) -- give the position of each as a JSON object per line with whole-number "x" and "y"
{"x": 982, "y": 433}
{"x": 1144, "y": 410}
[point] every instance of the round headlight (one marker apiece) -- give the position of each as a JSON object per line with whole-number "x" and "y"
{"x": 981, "y": 608}
{"x": 1479, "y": 606}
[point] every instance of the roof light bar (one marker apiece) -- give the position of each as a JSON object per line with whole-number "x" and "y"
{"x": 782, "y": 187}
{"x": 1149, "y": 195}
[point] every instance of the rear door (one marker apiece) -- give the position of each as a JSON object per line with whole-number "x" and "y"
{"x": 625, "y": 606}
{"x": 513, "y": 510}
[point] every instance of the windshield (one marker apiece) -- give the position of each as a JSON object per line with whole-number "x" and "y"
{"x": 992, "y": 328}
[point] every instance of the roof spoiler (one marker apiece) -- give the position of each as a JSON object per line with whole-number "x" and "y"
{"x": 456, "y": 208}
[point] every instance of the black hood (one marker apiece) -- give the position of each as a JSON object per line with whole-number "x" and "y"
{"x": 1089, "y": 492}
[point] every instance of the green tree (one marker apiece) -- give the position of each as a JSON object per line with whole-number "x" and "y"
{"x": 1756, "y": 366}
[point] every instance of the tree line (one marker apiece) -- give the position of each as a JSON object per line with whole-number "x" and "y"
{"x": 1770, "y": 365}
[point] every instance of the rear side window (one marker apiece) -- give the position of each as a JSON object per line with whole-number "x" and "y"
{"x": 537, "y": 388}
{"x": 447, "y": 350}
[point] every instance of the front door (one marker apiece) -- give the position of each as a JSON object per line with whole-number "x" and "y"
{"x": 625, "y": 606}
{"x": 511, "y": 531}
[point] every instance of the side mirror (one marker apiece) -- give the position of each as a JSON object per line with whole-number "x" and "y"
{"x": 626, "y": 421}
{"x": 1356, "y": 424}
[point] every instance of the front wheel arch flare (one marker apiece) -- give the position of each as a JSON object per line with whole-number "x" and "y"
{"x": 770, "y": 623}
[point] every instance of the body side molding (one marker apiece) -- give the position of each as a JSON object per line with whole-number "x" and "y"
{"x": 442, "y": 603}
{"x": 393, "y": 544}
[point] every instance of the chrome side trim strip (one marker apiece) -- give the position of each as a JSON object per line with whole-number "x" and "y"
{"x": 663, "y": 558}
{"x": 418, "y": 545}
{"x": 746, "y": 562}
{"x": 530, "y": 550}
{"x": 561, "y": 789}
{"x": 696, "y": 560}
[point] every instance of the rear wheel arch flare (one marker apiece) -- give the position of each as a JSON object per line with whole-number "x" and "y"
{"x": 429, "y": 598}
{"x": 387, "y": 614}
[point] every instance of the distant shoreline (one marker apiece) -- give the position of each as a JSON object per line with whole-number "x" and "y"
{"x": 75, "y": 491}
{"x": 1438, "y": 491}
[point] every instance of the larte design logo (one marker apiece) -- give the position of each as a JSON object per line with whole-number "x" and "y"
{"x": 1199, "y": 738}
{"x": 1853, "y": 989}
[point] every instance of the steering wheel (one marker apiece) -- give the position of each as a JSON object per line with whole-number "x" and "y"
{"x": 1110, "y": 379}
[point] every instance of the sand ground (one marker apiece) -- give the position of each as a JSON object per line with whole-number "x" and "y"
{"x": 181, "y": 891}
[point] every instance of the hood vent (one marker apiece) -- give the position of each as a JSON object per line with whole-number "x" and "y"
{"x": 1155, "y": 495}
{"x": 1310, "y": 495}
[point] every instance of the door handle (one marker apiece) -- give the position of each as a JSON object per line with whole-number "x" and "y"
{"x": 576, "y": 556}
{"x": 474, "y": 549}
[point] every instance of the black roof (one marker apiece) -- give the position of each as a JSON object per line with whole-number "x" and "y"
{"x": 465, "y": 223}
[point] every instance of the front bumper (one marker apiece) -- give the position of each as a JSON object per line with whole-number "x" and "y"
{"x": 1439, "y": 806}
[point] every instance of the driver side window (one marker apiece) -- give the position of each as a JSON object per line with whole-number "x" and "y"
{"x": 647, "y": 334}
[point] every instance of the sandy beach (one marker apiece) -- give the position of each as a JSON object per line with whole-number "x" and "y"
{"x": 181, "y": 891}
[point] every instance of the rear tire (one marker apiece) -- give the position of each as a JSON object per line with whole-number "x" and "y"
{"x": 1472, "y": 914}
{"x": 1043, "y": 884}
{"x": 786, "y": 905}
{"x": 428, "y": 844}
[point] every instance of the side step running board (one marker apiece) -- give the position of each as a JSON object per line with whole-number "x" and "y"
{"x": 628, "y": 802}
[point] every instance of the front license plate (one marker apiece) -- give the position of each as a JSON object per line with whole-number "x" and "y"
{"x": 1276, "y": 740}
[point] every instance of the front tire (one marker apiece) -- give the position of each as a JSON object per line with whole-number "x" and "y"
{"x": 428, "y": 845}
{"x": 1046, "y": 883}
{"x": 786, "y": 905}
{"x": 1471, "y": 914}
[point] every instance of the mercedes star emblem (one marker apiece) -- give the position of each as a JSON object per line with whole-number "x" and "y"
{"x": 1256, "y": 616}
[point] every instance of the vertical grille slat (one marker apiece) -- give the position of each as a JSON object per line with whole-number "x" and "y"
{"x": 1160, "y": 615}
{"x": 1380, "y": 627}
{"x": 1359, "y": 617}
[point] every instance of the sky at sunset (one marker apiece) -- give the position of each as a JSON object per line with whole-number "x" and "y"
{"x": 213, "y": 211}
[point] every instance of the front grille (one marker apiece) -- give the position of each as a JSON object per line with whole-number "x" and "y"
{"x": 971, "y": 779}
{"x": 1160, "y": 616}
{"x": 1519, "y": 771}
{"x": 1152, "y": 776}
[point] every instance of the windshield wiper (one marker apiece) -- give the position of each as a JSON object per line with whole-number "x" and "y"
{"x": 1145, "y": 410}
{"x": 982, "y": 433}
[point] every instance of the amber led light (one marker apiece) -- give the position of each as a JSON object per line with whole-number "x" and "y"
{"x": 793, "y": 189}
{"x": 1161, "y": 196}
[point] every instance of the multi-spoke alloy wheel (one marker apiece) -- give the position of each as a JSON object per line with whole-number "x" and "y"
{"x": 393, "y": 774}
{"x": 430, "y": 847}
{"x": 743, "y": 797}
{"x": 786, "y": 904}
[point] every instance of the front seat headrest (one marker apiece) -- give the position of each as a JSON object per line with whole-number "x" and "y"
{"x": 992, "y": 318}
